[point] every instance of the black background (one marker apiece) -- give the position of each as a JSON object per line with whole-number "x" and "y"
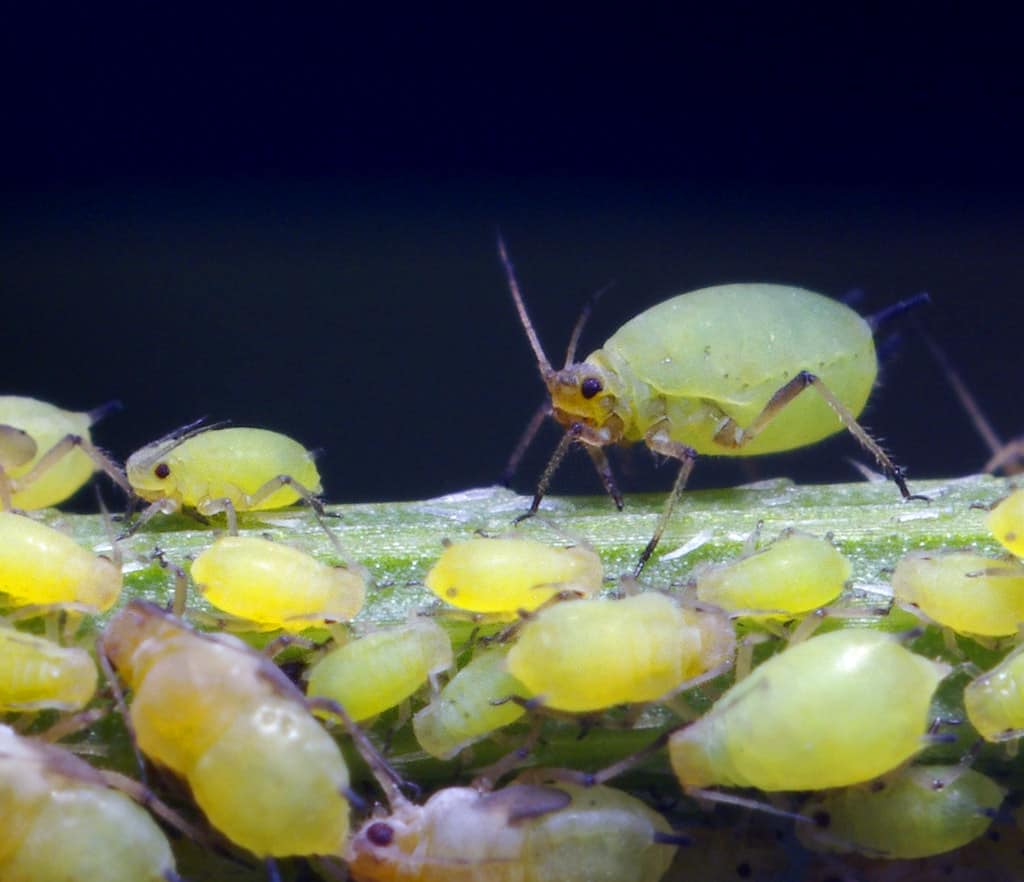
{"x": 288, "y": 218}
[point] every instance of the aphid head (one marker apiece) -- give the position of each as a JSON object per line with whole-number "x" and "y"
{"x": 583, "y": 393}
{"x": 148, "y": 471}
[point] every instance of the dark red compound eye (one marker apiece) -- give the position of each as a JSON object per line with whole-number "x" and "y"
{"x": 162, "y": 470}
{"x": 380, "y": 834}
{"x": 590, "y": 387}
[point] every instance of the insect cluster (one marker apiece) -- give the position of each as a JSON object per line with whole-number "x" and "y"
{"x": 598, "y": 728}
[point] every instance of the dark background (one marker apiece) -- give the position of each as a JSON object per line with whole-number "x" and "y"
{"x": 288, "y": 219}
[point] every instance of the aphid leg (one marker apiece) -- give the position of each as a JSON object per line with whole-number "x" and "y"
{"x": 281, "y": 643}
{"x": 658, "y": 441}
{"x": 165, "y": 506}
{"x": 17, "y": 447}
{"x": 180, "y": 601}
{"x": 487, "y": 777}
{"x": 72, "y": 723}
{"x": 122, "y": 706}
{"x": 61, "y": 449}
{"x": 549, "y": 470}
{"x": 524, "y": 442}
{"x": 730, "y": 434}
{"x": 604, "y": 472}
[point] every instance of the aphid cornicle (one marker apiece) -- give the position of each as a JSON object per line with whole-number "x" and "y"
{"x": 717, "y": 371}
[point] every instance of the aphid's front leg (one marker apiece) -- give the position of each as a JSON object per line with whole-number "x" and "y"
{"x": 729, "y": 434}
{"x": 658, "y": 440}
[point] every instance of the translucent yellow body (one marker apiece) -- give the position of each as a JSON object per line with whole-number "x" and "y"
{"x": 222, "y": 464}
{"x": 41, "y": 565}
{"x": 995, "y": 700}
{"x": 259, "y": 765}
{"x": 36, "y": 673}
{"x": 521, "y": 833}
{"x": 276, "y": 586}
{"x": 382, "y": 669}
{"x": 585, "y": 655}
{"x": 506, "y": 575}
{"x": 465, "y": 712}
{"x": 695, "y": 359}
{"x": 967, "y": 592}
{"x": 1006, "y": 521}
{"x": 915, "y": 812}
{"x": 46, "y": 425}
{"x": 795, "y": 574}
{"x": 837, "y": 709}
{"x": 60, "y": 823}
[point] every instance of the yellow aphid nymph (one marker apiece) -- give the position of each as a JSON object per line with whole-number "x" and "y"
{"x": 36, "y": 673}
{"x": 1006, "y": 521}
{"x": 995, "y": 700}
{"x": 258, "y": 763}
{"x": 505, "y": 575}
{"x": 795, "y": 574}
{"x": 584, "y": 655}
{"x": 43, "y": 566}
{"x": 837, "y": 709}
{"x": 274, "y": 586}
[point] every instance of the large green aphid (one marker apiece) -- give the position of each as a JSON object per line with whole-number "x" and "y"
{"x": 717, "y": 371}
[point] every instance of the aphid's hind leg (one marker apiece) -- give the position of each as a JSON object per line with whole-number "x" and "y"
{"x": 657, "y": 440}
{"x": 61, "y": 449}
{"x": 730, "y": 434}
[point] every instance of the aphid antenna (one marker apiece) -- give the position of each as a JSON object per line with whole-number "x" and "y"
{"x": 700, "y": 793}
{"x": 897, "y": 310}
{"x": 178, "y": 436}
{"x": 542, "y": 360}
{"x": 581, "y": 321}
{"x": 104, "y": 410}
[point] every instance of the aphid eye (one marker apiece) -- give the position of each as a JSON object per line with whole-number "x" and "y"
{"x": 162, "y": 470}
{"x": 380, "y": 834}
{"x": 590, "y": 387}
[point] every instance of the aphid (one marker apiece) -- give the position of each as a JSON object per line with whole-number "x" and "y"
{"x": 380, "y": 670}
{"x": 46, "y": 453}
{"x": 965, "y": 591}
{"x": 1006, "y": 521}
{"x": 43, "y": 566}
{"x": 258, "y": 763}
{"x": 717, "y": 371}
{"x": 994, "y": 701}
{"x": 505, "y": 575}
{"x": 272, "y": 585}
{"x": 61, "y": 821}
{"x": 915, "y": 812}
{"x": 36, "y": 673}
{"x": 521, "y": 833}
{"x": 794, "y": 574}
{"x": 466, "y": 709}
{"x": 837, "y": 709}
{"x": 229, "y": 470}
{"x": 586, "y": 655}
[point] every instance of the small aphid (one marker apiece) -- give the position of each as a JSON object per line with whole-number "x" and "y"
{"x": 380, "y": 670}
{"x": 465, "y": 711}
{"x": 994, "y": 701}
{"x": 915, "y": 812}
{"x": 36, "y": 674}
{"x": 1006, "y": 521}
{"x": 795, "y": 574}
{"x": 46, "y": 453}
{"x": 43, "y": 566}
{"x": 229, "y": 470}
{"x": 521, "y": 833}
{"x": 965, "y": 591}
{"x": 258, "y": 763}
{"x": 276, "y": 586}
{"x": 61, "y": 821}
{"x": 505, "y": 575}
{"x": 837, "y": 709}
{"x": 586, "y": 655}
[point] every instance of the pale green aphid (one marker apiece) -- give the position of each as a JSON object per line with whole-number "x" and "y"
{"x": 795, "y": 574}
{"x": 465, "y": 710}
{"x": 965, "y": 591}
{"x": 585, "y": 655}
{"x": 837, "y": 709}
{"x": 521, "y": 833}
{"x": 370, "y": 674}
{"x": 36, "y": 673}
{"x": 994, "y": 701}
{"x": 717, "y": 371}
{"x": 915, "y": 812}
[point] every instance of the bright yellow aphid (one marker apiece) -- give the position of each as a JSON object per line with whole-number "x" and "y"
{"x": 258, "y": 763}
{"x": 586, "y": 655}
{"x": 466, "y": 710}
{"x": 505, "y": 575}
{"x": 521, "y": 833}
{"x": 717, "y": 371}
{"x": 272, "y": 585}
{"x": 795, "y": 574}
{"x": 916, "y": 812}
{"x": 60, "y": 821}
{"x": 380, "y": 670}
{"x": 36, "y": 673}
{"x": 837, "y": 709}
{"x": 43, "y": 566}
{"x": 1006, "y": 521}
{"x": 46, "y": 453}
{"x": 965, "y": 591}
{"x": 215, "y": 470}
{"x": 995, "y": 700}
